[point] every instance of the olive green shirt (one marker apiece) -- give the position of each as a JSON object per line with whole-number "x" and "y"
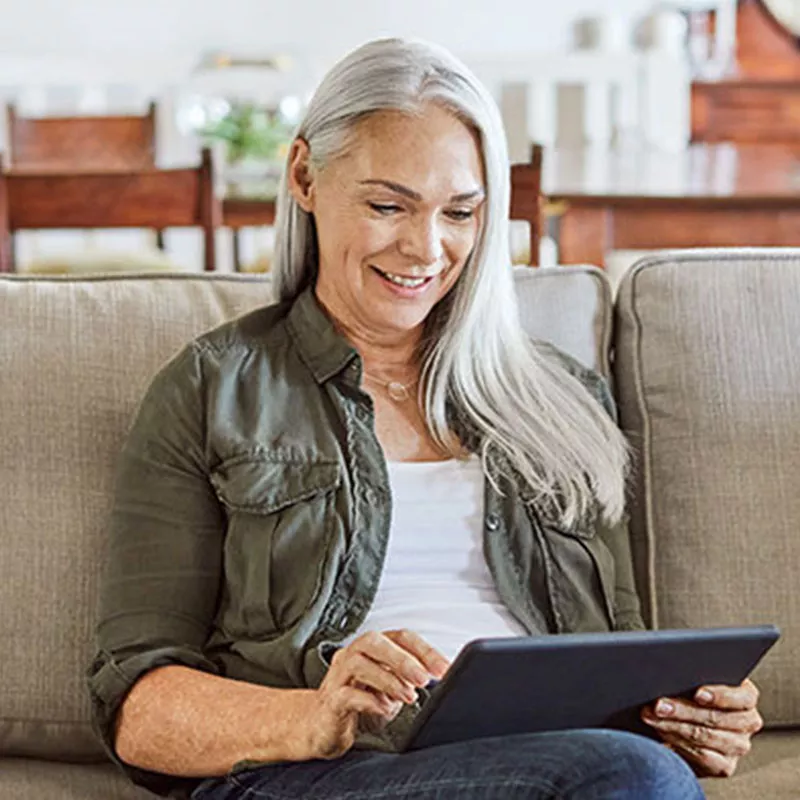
{"x": 252, "y": 514}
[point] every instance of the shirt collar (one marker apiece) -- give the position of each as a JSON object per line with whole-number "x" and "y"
{"x": 324, "y": 350}
{"x": 327, "y": 353}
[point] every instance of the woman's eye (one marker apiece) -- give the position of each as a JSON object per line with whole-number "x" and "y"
{"x": 385, "y": 208}
{"x": 461, "y": 214}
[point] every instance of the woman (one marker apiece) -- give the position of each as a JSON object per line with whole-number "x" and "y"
{"x": 319, "y": 504}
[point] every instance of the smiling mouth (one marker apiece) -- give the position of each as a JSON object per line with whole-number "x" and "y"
{"x": 403, "y": 280}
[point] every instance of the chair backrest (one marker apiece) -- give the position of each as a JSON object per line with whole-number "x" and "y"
{"x": 75, "y": 144}
{"x": 526, "y": 195}
{"x": 149, "y": 198}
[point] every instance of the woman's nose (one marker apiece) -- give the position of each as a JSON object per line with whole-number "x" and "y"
{"x": 422, "y": 241}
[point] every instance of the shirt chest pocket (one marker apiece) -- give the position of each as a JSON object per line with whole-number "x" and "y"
{"x": 280, "y": 516}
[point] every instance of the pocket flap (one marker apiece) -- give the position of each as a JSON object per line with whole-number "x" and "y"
{"x": 261, "y": 486}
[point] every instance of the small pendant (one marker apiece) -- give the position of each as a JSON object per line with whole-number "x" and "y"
{"x": 397, "y": 391}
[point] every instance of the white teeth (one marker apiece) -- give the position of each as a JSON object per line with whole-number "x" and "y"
{"x": 411, "y": 283}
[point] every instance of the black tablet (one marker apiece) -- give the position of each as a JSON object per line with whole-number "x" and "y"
{"x": 499, "y": 687}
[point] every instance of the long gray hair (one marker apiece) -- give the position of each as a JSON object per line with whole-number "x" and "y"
{"x": 475, "y": 355}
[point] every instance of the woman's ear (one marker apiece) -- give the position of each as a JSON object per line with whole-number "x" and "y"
{"x": 300, "y": 182}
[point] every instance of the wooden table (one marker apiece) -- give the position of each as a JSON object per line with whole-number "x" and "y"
{"x": 248, "y": 203}
{"x": 245, "y": 209}
{"x": 717, "y": 195}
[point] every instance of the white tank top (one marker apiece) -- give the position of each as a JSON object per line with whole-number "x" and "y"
{"x": 435, "y": 580}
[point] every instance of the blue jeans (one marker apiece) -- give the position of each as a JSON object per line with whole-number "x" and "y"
{"x": 573, "y": 765}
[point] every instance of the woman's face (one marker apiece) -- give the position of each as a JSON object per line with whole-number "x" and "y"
{"x": 396, "y": 218}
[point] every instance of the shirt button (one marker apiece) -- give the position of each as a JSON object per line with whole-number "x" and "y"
{"x": 492, "y": 522}
{"x": 362, "y": 414}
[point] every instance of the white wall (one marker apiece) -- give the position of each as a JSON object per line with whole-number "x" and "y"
{"x": 182, "y": 29}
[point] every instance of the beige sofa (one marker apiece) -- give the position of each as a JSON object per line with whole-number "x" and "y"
{"x": 707, "y": 373}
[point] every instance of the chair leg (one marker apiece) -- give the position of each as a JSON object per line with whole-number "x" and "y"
{"x": 237, "y": 254}
{"x": 12, "y": 252}
{"x": 6, "y": 260}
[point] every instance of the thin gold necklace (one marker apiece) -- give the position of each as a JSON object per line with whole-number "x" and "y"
{"x": 399, "y": 392}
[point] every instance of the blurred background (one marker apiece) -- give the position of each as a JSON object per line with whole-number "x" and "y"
{"x": 614, "y": 94}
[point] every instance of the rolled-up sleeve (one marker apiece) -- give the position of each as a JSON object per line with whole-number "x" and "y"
{"x": 162, "y": 579}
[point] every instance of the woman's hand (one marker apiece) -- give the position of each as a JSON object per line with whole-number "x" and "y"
{"x": 368, "y": 682}
{"x": 713, "y": 731}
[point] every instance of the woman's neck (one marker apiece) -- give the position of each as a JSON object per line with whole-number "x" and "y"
{"x": 385, "y": 354}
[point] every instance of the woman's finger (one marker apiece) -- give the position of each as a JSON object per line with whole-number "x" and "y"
{"x": 706, "y": 762}
{"x": 731, "y": 698}
{"x": 391, "y": 708}
{"x": 383, "y": 650}
{"x": 430, "y": 658}
{"x": 357, "y": 668}
{"x": 365, "y": 701}
{"x": 725, "y": 742}
{"x": 749, "y": 721}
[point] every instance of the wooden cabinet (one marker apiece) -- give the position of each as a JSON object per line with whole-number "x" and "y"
{"x": 760, "y": 102}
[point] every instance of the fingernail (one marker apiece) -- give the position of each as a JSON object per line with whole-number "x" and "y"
{"x": 664, "y": 708}
{"x": 704, "y": 696}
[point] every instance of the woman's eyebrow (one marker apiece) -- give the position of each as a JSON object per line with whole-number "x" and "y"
{"x": 412, "y": 195}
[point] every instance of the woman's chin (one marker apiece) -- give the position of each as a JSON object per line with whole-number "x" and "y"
{"x": 404, "y": 325}
{"x": 400, "y": 320}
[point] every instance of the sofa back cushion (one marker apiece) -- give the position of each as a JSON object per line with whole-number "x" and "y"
{"x": 571, "y": 307}
{"x": 75, "y": 358}
{"x": 708, "y": 381}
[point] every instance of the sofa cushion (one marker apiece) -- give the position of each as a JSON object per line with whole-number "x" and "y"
{"x": 26, "y": 778}
{"x": 570, "y": 307}
{"x": 708, "y": 379}
{"x": 76, "y": 356}
{"x": 770, "y": 771}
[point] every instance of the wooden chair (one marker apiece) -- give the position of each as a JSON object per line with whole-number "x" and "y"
{"x": 81, "y": 144}
{"x": 526, "y": 198}
{"x": 149, "y": 198}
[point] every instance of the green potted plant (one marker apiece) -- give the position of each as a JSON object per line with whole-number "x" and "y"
{"x": 250, "y": 132}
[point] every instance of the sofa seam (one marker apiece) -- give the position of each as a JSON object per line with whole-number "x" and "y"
{"x": 134, "y": 277}
{"x": 646, "y": 451}
{"x": 608, "y": 322}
